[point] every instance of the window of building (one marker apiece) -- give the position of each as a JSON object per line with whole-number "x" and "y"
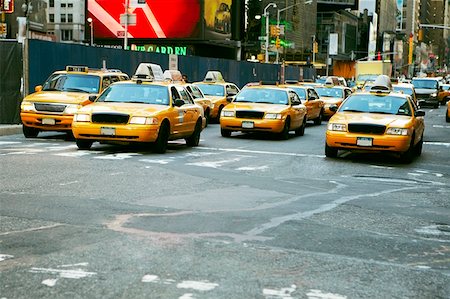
{"x": 70, "y": 18}
{"x": 66, "y": 35}
{"x": 63, "y": 18}
{"x": 69, "y": 4}
{"x": 51, "y": 18}
{"x": 63, "y": 5}
{"x": 52, "y": 3}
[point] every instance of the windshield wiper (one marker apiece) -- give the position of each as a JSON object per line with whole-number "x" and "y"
{"x": 76, "y": 89}
{"x": 51, "y": 89}
{"x": 353, "y": 110}
{"x": 137, "y": 102}
{"x": 381, "y": 112}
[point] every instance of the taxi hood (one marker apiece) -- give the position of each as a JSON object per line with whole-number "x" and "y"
{"x": 331, "y": 101}
{"x": 425, "y": 90}
{"x": 272, "y": 108}
{"x": 58, "y": 97}
{"x": 129, "y": 108}
{"x": 370, "y": 118}
{"x": 214, "y": 98}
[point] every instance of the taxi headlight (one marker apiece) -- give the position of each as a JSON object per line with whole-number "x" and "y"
{"x": 337, "y": 127}
{"x": 272, "y": 116}
{"x": 397, "y": 131}
{"x": 82, "y": 118}
{"x": 142, "y": 120}
{"x": 227, "y": 113}
{"x": 71, "y": 109}
{"x": 433, "y": 95}
{"x": 27, "y": 106}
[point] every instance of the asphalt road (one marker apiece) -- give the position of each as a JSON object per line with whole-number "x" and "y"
{"x": 239, "y": 217}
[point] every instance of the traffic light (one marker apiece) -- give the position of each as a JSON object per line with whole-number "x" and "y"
{"x": 278, "y": 30}
{"x": 315, "y": 47}
{"x": 277, "y": 42}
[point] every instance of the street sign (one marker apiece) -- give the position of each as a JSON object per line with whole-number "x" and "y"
{"x": 131, "y": 19}
{"x": 7, "y": 6}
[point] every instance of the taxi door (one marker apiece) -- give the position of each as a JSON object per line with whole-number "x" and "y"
{"x": 296, "y": 110}
{"x": 313, "y": 103}
{"x": 177, "y": 114}
{"x": 190, "y": 110}
{"x": 419, "y": 122}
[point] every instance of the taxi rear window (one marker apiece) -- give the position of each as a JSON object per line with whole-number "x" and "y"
{"x": 136, "y": 93}
{"x": 330, "y": 92}
{"x": 73, "y": 83}
{"x": 300, "y": 92}
{"x": 212, "y": 90}
{"x": 426, "y": 84}
{"x": 262, "y": 95}
{"x": 368, "y": 103}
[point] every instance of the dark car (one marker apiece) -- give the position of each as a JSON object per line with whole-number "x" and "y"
{"x": 427, "y": 90}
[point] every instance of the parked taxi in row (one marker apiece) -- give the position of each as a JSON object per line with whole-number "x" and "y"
{"x": 220, "y": 93}
{"x": 314, "y": 104}
{"x": 146, "y": 109}
{"x": 52, "y": 106}
{"x": 444, "y": 95}
{"x": 447, "y": 115}
{"x": 380, "y": 120}
{"x": 264, "y": 108}
{"x": 332, "y": 95}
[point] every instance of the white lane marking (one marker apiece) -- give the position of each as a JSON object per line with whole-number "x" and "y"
{"x": 68, "y": 183}
{"x": 318, "y": 294}
{"x": 157, "y": 161}
{"x": 9, "y": 142}
{"x": 203, "y": 285}
{"x": 423, "y": 267}
{"x": 237, "y": 150}
{"x": 74, "y": 265}
{"x": 30, "y": 229}
{"x": 4, "y": 257}
{"x": 215, "y": 164}
{"x": 50, "y": 282}
{"x": 441, "y": 126}
{"x": 150, "y": 278}
{"x": 446, "y": 144}
{"x": 73, "y": 274}
{"x": 381, "y": 167}
{"x": 283, "y": 293}
{"x": 432, "y": 230}
{"x": 253, "y": 168}
{"x": 61, "y": 148}
{"x": 74, "y": 154}
{"x": 187, "y": 296}
{"x": 421, "y": 171}
{"x": 415, "y": 174}
{"x": 120, "y": 156}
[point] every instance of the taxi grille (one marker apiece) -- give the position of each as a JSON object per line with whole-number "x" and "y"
{"x": 110, "y": 118}
{"x": 366, "y": 129}
{"x": 249, "y": 114}
{"x": 49, "y": 107}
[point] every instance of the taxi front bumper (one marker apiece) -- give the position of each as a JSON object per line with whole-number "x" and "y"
{"x": 389, "y": 143}
{"x": 47, "y": 122}
{"x": 252, "y": 125}
{"x": 125, "y": 133}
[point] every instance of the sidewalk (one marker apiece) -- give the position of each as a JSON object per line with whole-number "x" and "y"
{"x": 10, "y": 129}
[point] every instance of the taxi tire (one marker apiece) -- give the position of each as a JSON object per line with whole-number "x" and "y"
{"x": 318, "y": 120}
{"x": 29, "y": 132}
{"x": 408, "y": 156}
{"x": 301, "y": 131}
{"x": 284, "y": 135}
{"x": 419, "y": 146}
{"x": 218, "y": 114}
{"x": 447, "y": 118}
{"x": 330, "y": 152}
{"x": 194, "y": 139}
{"x": 225, "y": 132}
{"x": 208, "y": 117}
{"x": 160, "y": 145}
{"x": 83, "y": 144}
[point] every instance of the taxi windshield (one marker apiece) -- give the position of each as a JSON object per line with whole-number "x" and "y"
{"x": 136, "y": 93}
{"x": 300, "y": 92}
{"x": 212, "y": 89}
{"x": 367, "y": 77}
{"x": 369, "y": 103}
{"x": 262, "y": 95}
{"x": 425, "y": 84}
{"x": 72, "y": 82}
{"x": 405, "y": 90}
{"x": 330, "y": 92}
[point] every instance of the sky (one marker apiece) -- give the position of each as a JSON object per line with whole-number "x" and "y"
{"x": 369, "y": 4}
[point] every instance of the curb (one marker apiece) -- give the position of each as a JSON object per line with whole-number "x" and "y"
{"x": 10, "y": 129}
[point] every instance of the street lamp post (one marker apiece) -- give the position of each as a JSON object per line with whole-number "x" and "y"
{"x": 91, "y": 24}
{"x": 266, "y": 15}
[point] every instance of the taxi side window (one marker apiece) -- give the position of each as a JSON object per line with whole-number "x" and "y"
{"x": 232, "y": 90}
{"x": 184, "y": 96}
{"x": 295, "y": 100}
{"x": 114, "y": 79}
{"x": 347, "y": 93}
{"x": 312, "y": 94}
{"x": 106, "y": 81}
{"x": 175, "y": 94}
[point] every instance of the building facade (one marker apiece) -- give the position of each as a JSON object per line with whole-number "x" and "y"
{"x": 66, "y": 20}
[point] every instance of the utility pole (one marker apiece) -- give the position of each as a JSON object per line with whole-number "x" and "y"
{"x": 125, "y": 40}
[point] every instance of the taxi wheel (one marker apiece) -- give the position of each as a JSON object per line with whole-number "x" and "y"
{"x": 218, "y": 114}
{"x": 160, "y": 145}
{"x": 29, "y": 132}
{"x": 408, "y": 156}
{"x": 301, "y": 131}
{"x": 84, "y": 144}
{"x": 447, "y": 118}
{"x": 225, "y": 132}
{"x": 284, "y": 135}
{"x": 194, "y": 139}
{"x": 419, "y": 146}
{"x": 330, "y": 152}
{"x": 318, "y": 120}
{"x": 208, "y": 117}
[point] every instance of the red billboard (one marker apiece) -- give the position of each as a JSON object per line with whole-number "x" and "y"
{"x": 178, "y": 19}
{"x": 7, "y": 6}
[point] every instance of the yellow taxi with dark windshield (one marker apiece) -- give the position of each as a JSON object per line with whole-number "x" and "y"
{"x": 143, "y": 110}
{"x": 309, "y": 97}
{"x": 52, "y": 106}
{"x": 264, "y": 109}
{"x": 380, "y": 120}
{"x": 332, "y": 95}
{"x": 218, "y": 91}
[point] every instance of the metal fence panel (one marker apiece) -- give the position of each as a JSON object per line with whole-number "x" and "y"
{"x": 10, "y": 82}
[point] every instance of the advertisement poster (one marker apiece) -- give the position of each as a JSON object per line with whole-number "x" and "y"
{"x": 399, "y": 15}
{"x": 177, "y": 19}
{"x": 217, "y": 14}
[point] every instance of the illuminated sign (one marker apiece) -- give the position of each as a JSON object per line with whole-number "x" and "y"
{"x": 154, "y": 18}
{"x": 7, "y": 6}
{"x": 160, "y": 49}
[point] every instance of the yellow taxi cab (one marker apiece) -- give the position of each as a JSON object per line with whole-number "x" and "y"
{"x": 264, "y": 109}
{"x": 146, "y": 109}
{"x": 447, "y": 115}
{"x": 332, "y": 95}
{"x": 195, "y": 92}
{"x": 444, "y": 95}
{"x": 218, "y": 91}
{"x": 309, "y": 97}
{"x": 380, "y": 120}
{"x": 406, "y": 88}
{"x": 52, "y": 106}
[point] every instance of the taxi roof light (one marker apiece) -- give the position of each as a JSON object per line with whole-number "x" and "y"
{"x": 382, "y": 84}
{"x": 76, "y": 68}
{"x": 149, "y": 72}
{"x": 173, "y": 75}
{"x": 214, "y": 76}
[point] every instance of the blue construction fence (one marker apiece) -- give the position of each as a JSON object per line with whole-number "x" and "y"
{"x": 46, "y": 57}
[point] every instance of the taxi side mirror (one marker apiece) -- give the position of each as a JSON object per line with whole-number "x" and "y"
{"x": 419, "y": 113}
{"x": 178, "y": 103}
{"x": 230, "y": 98}
{"x": 334, "y": 108}
{"x": 92, "y": 98}
{"x": 312, "y": 98}
{"x": 38, "y": 88}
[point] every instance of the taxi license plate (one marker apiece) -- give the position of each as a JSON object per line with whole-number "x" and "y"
{"x": 48, "y": 121}
{"x": 248, "y": 125}
{"x": 363, "y": 141}
{"x": 108, "y": 131}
